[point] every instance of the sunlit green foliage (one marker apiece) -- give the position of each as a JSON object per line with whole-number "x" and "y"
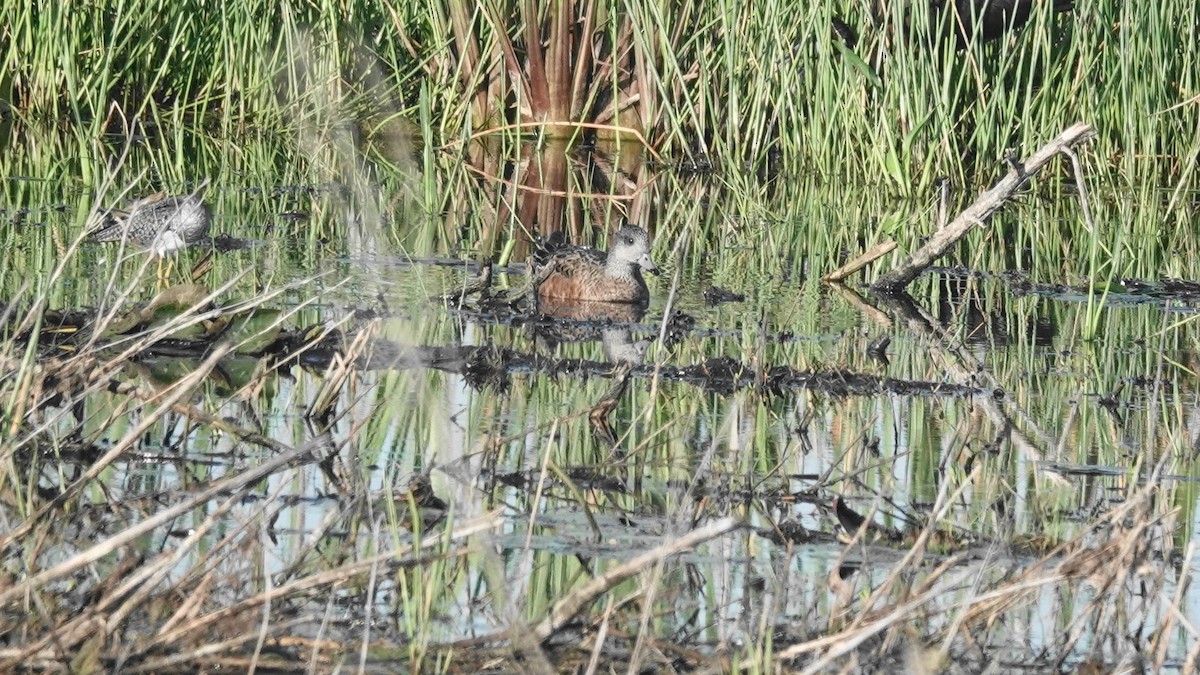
{"x": 735, "y": 84}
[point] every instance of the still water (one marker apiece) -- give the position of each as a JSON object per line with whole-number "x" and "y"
{"x": 750, "y": 389}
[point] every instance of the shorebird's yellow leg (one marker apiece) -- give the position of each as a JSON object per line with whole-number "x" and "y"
{"x": 163, "y": 274}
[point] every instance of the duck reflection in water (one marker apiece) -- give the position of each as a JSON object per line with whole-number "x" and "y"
{"x": 588, "y": 294}
{"x": 621, "y": 349}
{"x": 610, "y": 323}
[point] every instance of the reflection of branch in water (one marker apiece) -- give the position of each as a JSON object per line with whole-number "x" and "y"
{"x": 719, "y": 375}
{"x": 968, "y": 369}
{"x": 490, "y": 365}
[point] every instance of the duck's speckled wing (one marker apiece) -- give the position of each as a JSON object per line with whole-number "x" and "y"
{"x": 580, "y": 274}
{"x": 575, "y": 262}
{"x": 110, "y": 227}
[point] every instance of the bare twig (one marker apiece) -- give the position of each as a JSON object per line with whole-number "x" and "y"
{"x": 978, "y": 213}
{"x": 569, "y": 606}
{"x": 877, "y": 251}
{"x": 237, "y": 482}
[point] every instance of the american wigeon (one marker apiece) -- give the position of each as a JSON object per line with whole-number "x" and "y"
{"x": 563, "y": 272}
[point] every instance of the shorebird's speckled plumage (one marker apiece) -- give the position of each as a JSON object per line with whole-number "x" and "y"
{"x": 583, "y": 273}
{"x": 159, "y": 223}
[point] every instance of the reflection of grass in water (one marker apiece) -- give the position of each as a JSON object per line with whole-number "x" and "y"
{"x": 740, "y": 445}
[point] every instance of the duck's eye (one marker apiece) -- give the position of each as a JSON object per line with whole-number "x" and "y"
{"x": 628, "y": 241}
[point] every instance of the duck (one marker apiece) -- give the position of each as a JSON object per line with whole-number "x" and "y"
{"x": 971, "y": 20}
{"x": 161, "y": 224}
{"x": 562, "y": 272}
{"x": 988, "y": 20}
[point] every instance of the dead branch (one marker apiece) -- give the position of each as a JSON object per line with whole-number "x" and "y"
{"x": 978, "y": 213}
{"x": 568, "y": 607}
{"x": 877, "y": 251}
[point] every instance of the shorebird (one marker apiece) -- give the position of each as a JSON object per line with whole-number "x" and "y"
{"x": 160, "y": 224}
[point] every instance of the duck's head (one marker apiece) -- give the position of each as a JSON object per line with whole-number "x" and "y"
{"x": 630, "y": 247}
